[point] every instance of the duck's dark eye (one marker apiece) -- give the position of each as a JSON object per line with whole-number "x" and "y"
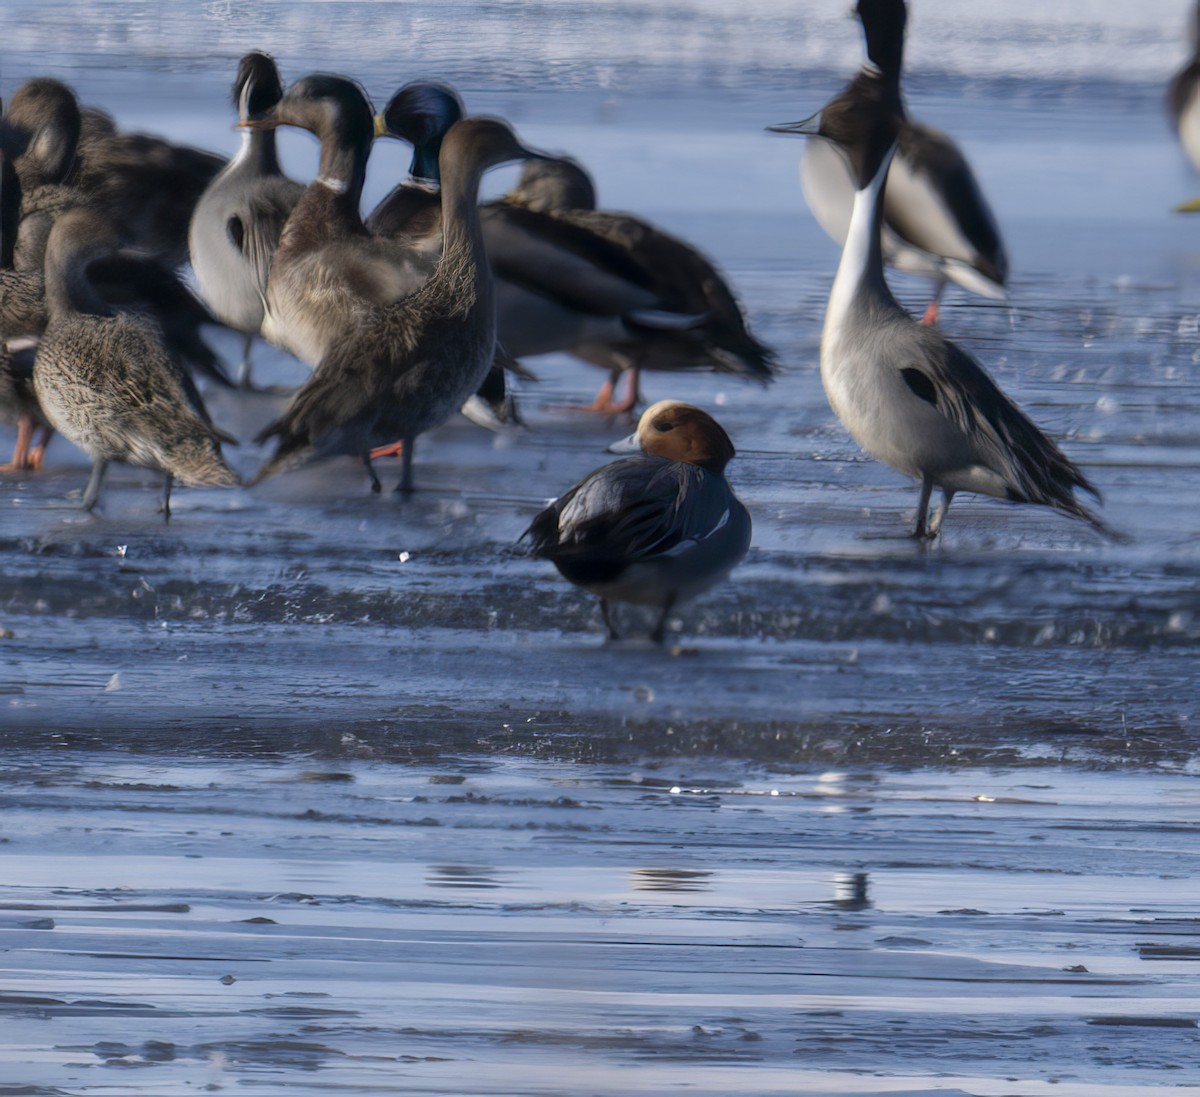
{"x": 663, "y": 425}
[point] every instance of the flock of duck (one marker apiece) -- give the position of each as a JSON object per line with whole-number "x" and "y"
{"x": 422, "y": 308}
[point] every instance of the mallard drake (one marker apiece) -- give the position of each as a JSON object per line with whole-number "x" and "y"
{"x": 401, "y": 363}
{"x": 608, "y": 288}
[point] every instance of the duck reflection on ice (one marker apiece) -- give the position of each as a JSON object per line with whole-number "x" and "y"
{"x": 670, "y": 879}
{"x": 850, "y": 891}
{"x": 463, "y": 876}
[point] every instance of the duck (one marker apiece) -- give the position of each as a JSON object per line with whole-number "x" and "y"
{"x": 608, "y": 288}
{"x": 106, "y": 381}
{"x": 656, "y": 529}
{"x": 401, "y": 363}
{"x": 147, "y": 186}
{"x": 239, "y": 218}
{"x": 909, "y": 396}
{"x": 1183, "y": 106}
{"x": 937, "y": 222}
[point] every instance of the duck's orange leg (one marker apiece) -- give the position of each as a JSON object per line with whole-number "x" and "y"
{"x": 37, "y": 453}
{"x": 396, "y": 449}
{"x": 20, "y": 457}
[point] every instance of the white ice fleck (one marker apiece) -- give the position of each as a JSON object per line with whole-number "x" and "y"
{"x": 122, "y": 549}
{"x": 114, "y": 683}
{"x": 675, "y": 790}
{"x": 404, "y": 557}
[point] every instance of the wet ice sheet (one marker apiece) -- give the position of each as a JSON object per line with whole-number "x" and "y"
{"x": 485, "y": 925}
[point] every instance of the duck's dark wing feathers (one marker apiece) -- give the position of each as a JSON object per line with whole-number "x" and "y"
{"x": 633, "y": 509}
{"x": 1035, "y": 468}
{"x": 934, "y": 155}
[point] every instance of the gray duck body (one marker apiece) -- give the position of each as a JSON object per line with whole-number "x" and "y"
{"x": 908, "y": 395}
{"x": 238, "y": 220}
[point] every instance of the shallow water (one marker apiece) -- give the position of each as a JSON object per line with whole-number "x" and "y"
{"x": 374, "y": 723}
{"x": 485, "y": 925}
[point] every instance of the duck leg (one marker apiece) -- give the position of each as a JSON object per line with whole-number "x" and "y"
{"x": 37, "y": 452}
{"x": 633, "y": 395}
{"x": 396, "y": 449}
{"x": 405, "y": 487}
{"x": 20, "y": 457}
{"x": 91, "y": 494}
{"x": 660, "y": 630}
{"x": 165, "y": 508}
{"x": 613, "y": 634}
{"x": 376, "y": 486}
{"x": 936, "y": 526}
{"x": 931, "y": 313}
{"x": 921, "y": 533}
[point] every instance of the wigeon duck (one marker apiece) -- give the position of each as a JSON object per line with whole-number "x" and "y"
{"x": 401, "y": 363}
{"x": 239, "y": 218}
{"x": 653, "y": 530}
{"x": 608, "y": 288}
{"x": 937, "y": 223}
{"x": 107, "y": 382}
{"x": 910, "y": 397}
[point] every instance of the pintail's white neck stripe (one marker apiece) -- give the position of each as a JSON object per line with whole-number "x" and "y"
{"x": 338, "y": 186}
{"x": 855, "y": 265}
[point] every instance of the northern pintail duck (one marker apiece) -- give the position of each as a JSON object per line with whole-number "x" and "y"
{"x": 608, "y": 288}
{"x": 937, "y": 222}
{"x": 655, "y": 529}
{"x": 401, "y": 364}
{"x": 239, "y": 218}
{"x": 1183, "y": 105}
{"x": 148, "y": 187}
{"x": 910, "y": 397}
{"x": 107, "y": 382}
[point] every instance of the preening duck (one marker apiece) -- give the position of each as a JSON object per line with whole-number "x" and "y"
{"x": 655, "y": 529}
{"x": 608, "y": 288}
{"x": 107, "y": 382}
{"x": 239, "y": 218}
{"x": 910, "y": 397}
{"x": 401, "y": 364}
{"x": 937, "y": 222}
{"x": 146, "y": 186}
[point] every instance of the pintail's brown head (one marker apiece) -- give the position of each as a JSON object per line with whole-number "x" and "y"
{"x": 42, "y": 126}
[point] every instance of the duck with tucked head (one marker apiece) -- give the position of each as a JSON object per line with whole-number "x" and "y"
{"x": 655, "y": 529}
{"x": 106, "y": 381}
{"x": 937, "y": 222}
{"x": 239, "y": 218}
{"x": 397, "y": 363}
{"x": 910, "y": 397}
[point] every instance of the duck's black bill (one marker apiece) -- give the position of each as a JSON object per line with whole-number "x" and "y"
{"x": 806, "y": 127}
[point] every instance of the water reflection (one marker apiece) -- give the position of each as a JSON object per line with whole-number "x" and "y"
{"x": 670, "y": 879}
{"x": 850, "y": 891}
{"x": 463, "y": 876}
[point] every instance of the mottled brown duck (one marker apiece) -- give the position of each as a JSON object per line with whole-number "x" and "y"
{"x": 108, "y": 383}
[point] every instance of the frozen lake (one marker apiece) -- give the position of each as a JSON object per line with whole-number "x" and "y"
{"x": 372, "y": 722}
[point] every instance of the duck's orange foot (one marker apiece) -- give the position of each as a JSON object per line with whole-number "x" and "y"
{"x": 36, "y": 456}
{"x": 396, "y": 449}
{"x": 930, "y": 318}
